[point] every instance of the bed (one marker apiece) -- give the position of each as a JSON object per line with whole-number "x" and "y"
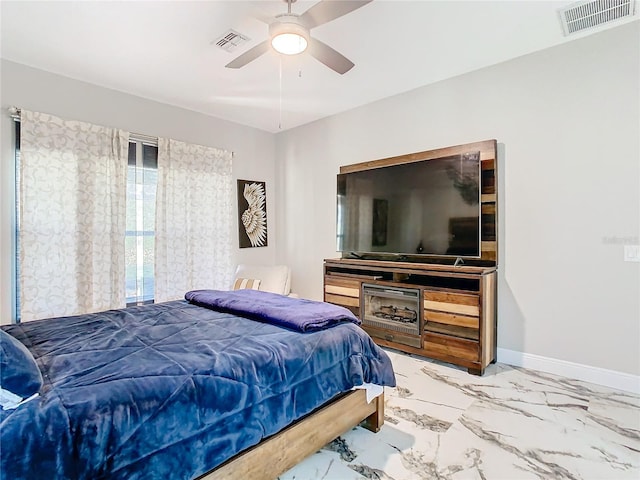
{"x": 216, "y": 386}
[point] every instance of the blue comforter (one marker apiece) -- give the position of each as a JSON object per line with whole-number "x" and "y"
{"x": 171, "y": 390}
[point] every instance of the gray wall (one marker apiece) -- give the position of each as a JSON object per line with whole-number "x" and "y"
{"x": 25, "y": 87}
{"x": 567, "y": 123}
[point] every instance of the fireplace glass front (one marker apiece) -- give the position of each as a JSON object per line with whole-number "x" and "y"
{"x": 391, "y": 308}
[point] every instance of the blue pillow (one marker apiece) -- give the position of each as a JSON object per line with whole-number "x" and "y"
{"x": 19, "y": 372}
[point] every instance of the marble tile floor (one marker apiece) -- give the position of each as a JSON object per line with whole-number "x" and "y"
{"x": 512, "y": 423}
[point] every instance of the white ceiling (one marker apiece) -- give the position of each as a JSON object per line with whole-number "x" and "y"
{"x": 163, "y": 50}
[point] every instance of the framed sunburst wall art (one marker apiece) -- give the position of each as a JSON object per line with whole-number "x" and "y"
{"x": 252, "y": 213}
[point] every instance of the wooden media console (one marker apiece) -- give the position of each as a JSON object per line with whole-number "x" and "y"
{"x": 456, "y": 318}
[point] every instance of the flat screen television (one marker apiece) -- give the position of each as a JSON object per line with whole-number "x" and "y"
{"x": 416, "y": 211}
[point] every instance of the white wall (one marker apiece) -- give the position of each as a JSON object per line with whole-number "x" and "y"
{"x": 37, "y": 90}
{"x": 567, "y": 121}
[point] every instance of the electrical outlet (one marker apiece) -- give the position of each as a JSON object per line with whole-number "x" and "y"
{"x": 632, "y": 253}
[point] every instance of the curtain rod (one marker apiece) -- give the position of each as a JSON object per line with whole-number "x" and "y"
{"x": 14, "y": 113}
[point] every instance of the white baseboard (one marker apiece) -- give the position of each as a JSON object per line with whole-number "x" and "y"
{"x": 586, "y": 373}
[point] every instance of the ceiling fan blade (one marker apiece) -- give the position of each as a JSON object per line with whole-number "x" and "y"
{"x": 327, "y": 55}
{"x": 249, "y": 56}
{"x": 328, "y": 10}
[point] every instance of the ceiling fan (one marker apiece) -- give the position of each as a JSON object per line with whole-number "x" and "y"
{"x": 289, "y": 34}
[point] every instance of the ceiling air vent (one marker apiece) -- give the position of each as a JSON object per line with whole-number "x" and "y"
{"x": 231, "y": 40}
{"x": 584, "y": 15}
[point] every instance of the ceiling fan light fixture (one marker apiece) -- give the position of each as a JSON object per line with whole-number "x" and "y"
{"x": 289, "y": 38}
{"x": 289, "y": 43}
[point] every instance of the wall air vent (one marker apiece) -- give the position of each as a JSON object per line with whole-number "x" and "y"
{"x": 231, "y": 40}
{"x": 588, "y": 14}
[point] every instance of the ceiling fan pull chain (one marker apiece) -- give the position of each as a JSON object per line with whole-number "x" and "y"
{"x": 280, "y": 71}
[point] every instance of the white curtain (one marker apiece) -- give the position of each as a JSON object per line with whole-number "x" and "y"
{"x": 72, "y": 216}
{"x": 193, "y": 219}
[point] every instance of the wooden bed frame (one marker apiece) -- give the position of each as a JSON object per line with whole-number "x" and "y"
{"x": 280, "y": 452}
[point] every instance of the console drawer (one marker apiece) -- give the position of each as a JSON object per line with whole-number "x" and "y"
{"x": 342, "y": 291}
{"x": 342, "y": 300}
{"x": 394, "y": 337}
{"x": 452, "y": 319}
{"x": 452, "y": 330}
{"x": 443, "y": 345}
{"x": 460, "y": 303}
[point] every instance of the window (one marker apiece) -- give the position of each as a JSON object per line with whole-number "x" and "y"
{"x": 142, "y": 180}
{"x": 142, "y": 280}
